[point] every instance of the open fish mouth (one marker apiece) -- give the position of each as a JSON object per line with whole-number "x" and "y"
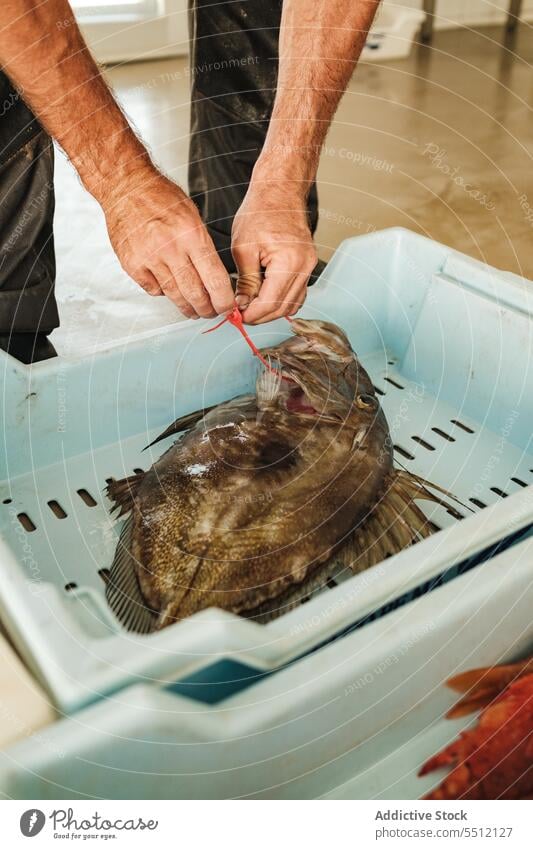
{"x": 268, "y": 497}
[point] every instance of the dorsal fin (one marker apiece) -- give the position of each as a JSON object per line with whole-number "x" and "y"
{"x": 123, "y": 492}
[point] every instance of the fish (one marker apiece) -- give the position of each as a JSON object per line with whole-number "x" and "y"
{"x": 265, "y": 497}
{"x": 494, "y": 759}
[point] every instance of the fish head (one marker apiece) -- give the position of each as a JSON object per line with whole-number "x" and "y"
{"x": 317, "y": 375}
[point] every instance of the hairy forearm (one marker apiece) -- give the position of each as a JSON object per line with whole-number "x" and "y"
{"x": 44, "y": 54}
{"x": 320, "y": 43}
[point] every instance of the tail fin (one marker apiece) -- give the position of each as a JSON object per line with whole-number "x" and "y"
{"x": 395, "y": 523}
{"x": 123, "y": 592}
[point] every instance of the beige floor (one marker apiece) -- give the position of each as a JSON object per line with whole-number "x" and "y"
{"x": 440, "y": 143}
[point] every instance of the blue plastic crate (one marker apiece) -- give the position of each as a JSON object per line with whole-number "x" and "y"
{"x": 355, "y": 720}
{"x": 448, "y": 344}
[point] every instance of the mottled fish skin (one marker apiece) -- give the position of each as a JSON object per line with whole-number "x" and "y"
{"x": 264, "y": 488}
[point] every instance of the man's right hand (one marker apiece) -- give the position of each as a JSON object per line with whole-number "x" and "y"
{"x": 162, "y": 243}
{"x": 154, "y": 227}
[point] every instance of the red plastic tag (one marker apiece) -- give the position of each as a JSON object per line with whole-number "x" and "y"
{"x": 235, "y": 317}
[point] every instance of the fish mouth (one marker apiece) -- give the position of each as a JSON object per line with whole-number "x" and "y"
{"x": 298, "y": 402}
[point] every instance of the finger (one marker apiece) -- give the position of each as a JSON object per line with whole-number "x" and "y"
{"x": 290, "y": 268}
{"x": 146, "y": 280}
{"x": 168, "y": 282}
{"x": 193, "y": 290}
{"x": 248, "y": 286}
{"x": 296, "y": 300}
{"x": 250, "y": 277}
{"x": 292, "y": 302}
{"x": 215, "y": 280}
{"x": 272, "y": 296}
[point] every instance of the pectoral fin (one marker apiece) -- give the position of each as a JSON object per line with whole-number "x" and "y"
{"x": 183, "y": 423}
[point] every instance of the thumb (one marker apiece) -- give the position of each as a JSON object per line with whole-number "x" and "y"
{"x": 250, "y": 276}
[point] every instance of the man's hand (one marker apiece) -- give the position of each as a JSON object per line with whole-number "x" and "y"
{"x": 161, "y": 242}
{"x": 270, "y": 232}
{"x": 154, "y": 227}
{"x": 319, "y": 44}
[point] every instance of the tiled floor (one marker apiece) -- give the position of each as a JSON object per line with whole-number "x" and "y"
{"x": 440, "y": 143}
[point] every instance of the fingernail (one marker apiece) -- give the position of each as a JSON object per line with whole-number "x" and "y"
{"x": 242, "y": 301}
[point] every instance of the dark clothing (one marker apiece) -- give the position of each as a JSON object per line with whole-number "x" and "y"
{"x": 27, "y": 262}
{"x": 234, "y": 70}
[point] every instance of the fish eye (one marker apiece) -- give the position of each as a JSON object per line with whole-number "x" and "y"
{"x": 366, "y": 402}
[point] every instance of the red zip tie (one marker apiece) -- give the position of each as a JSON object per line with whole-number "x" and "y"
{"x": 235, "y": 317}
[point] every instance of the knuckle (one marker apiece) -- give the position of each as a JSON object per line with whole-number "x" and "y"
{"x": 206, "y": 312}
{"x": 295, "y": 254}
{"x": 223, "y": 306}
{"x": 221, "y": 294}
{"x": 198, "y": 297}
{"x": 168, "y": 285}
{"x": 280, "y": 311}
{"x": 149, "y": 287}
{"x": 219, "y": 284}
{"x": 200, "y": 302}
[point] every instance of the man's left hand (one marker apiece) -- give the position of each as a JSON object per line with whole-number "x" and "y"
{"x": 274, "y": 253}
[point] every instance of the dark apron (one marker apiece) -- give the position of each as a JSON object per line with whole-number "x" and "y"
{"x": 234, "y": 71}
{"x": 27, "y": 261}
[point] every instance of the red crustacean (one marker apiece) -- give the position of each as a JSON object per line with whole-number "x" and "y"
{"x": 493, "y": 760}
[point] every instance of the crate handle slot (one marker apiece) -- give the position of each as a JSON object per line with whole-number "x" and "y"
{"x": 423, "y": 443}
{"x": 498, "y": 491}
{"x": 26, "y": 522}
{"x": 462, "y": 426}
{"x": 443, "y": 434}
{"x": 404, "y": 452}
{"x": 394, "y": 383}
{"x": 57, "y": 509}
{"x": 86, "y": 497}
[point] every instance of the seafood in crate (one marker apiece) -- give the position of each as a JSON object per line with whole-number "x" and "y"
{"x": 268, "y": 496}
{"x": 454, "y": 401}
